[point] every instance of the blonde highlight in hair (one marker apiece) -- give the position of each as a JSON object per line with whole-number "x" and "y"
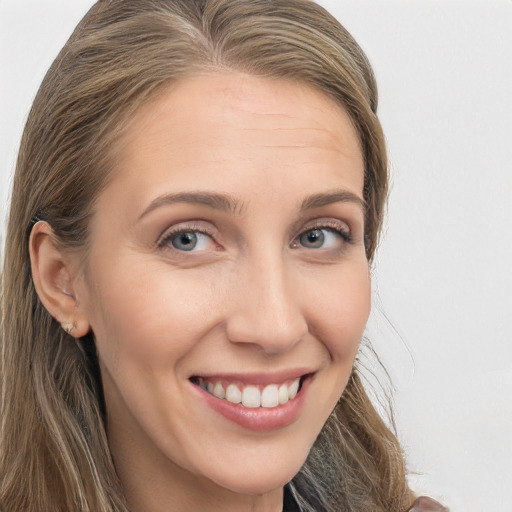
{"x": 54, "y": 452}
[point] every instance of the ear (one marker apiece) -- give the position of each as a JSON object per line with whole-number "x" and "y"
{"x": 55, "y": 272}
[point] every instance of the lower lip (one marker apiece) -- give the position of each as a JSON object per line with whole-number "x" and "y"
{"x": 259, "y": 419}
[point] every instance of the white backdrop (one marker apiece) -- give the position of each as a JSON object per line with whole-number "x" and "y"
{"x": 443, "y": 273}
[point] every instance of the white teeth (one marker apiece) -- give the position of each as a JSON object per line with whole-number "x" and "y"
{"x": 251, "y": 397}
{"x": 233, "y": 394}
{"x": 269, "y": 396}
{"x": 293, "y": 389}
{"x": 272, "y": 395}
{"x": 283, "y": 394}
{"x": 218, "y": 390}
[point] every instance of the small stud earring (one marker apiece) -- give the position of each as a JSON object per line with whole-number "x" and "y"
{"x": 69, "y": 327}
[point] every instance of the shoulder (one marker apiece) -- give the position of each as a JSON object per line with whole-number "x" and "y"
{"x": 426, "y": 504}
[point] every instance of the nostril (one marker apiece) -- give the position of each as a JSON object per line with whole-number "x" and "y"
{"x": 271, "y": 335}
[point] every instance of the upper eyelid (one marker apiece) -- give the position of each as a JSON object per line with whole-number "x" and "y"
{"x": 325, "y": 223}
{"x": 328, "y": 222}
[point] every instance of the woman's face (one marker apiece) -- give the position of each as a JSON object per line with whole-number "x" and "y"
{"x": 227, "y": 253}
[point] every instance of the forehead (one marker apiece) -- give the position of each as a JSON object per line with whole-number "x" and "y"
{"x": 210, "y": 128}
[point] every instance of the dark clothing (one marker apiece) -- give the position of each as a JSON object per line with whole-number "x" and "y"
{"x": 289, "y": 503}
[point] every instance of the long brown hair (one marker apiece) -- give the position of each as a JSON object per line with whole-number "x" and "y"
{"x": 54, "y": 452}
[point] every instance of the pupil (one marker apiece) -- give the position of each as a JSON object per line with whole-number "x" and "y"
{"x": 186, "y": 239}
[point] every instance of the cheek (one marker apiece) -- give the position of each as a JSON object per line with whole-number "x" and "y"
{"x": 151, "y": 318}
{"x": 341, "y": 311}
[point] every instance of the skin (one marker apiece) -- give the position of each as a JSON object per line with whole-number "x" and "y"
{"x": 251, "y": 298}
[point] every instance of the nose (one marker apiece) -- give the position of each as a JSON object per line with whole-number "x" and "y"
{"x": 267, "y": 312}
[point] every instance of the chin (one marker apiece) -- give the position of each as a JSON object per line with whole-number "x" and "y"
{"x": 258, "y": 487}
{"x": 255, "y": 481}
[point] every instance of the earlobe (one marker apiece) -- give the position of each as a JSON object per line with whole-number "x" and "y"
{"x": 54, "y": 273}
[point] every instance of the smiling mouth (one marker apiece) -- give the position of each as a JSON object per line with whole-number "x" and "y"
{"x": 251, "y": 396}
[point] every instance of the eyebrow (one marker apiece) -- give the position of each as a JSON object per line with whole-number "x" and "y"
{"x": 216, "y": 201}
{"x": 336, "y": 196}
{"x": 227, "y": 203}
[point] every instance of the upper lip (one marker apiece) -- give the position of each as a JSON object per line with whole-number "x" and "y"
{"x": 258, "y": 378}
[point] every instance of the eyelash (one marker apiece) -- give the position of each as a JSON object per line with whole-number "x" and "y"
{"x": 165, "y": 239}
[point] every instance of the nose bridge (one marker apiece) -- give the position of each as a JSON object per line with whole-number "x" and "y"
{"x": 268, "y": 311}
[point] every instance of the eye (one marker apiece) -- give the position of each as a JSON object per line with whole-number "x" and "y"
{"x": 323, "y": 238}
{"x": 189, "y": 241}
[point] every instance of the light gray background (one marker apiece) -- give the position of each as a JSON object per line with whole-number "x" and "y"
{"x": 442, "y": 277}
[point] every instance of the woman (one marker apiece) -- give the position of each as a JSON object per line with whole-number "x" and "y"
{"x": 198, "y": 197}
